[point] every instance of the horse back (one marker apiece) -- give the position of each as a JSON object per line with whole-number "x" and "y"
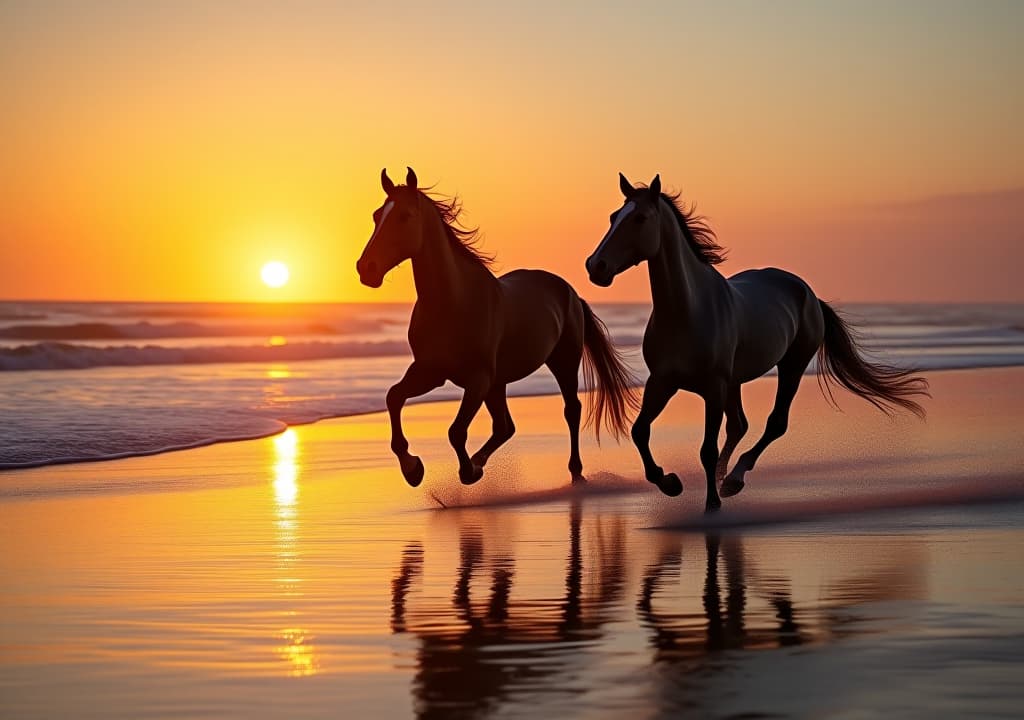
{"x": 537, "y": 307}
{"x": 774, "y": 310}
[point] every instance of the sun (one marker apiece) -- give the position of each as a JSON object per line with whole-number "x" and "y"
{"x": 274, "y": 274}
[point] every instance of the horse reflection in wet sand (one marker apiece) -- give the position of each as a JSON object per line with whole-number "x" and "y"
{"x": 473, "y": 658}
{"x": 672, "y": 635}
{"x": 745, "y": 609}
{"x": 709, "y": 335}
{"x": 482, "y": 332}
{"x": 458, "y": 675}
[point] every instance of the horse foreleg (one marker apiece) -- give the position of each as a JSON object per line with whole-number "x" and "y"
{"x": 472, "y": 399}
{"x": 657, "y": 393}
{"x": 736, "y": 426}
{"x": 416, "y": 381}
{"x": 502, "y": 428}
{"x": 714, "y": 402}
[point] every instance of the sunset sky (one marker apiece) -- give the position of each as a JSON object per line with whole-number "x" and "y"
{"x": 166, "y": 151}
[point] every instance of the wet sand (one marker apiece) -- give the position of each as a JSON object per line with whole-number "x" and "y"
{"x": 870, "y": 568}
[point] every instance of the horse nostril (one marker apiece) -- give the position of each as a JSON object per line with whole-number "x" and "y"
{"x": 600, "y": 266}
{"x": 370, "y": 266}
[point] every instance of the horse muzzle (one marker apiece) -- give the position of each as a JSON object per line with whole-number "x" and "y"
{"x": 369, "y": 274}
{"x": 601, "y": 274}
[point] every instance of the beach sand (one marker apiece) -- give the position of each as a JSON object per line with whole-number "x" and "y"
{"x": 871, "y": 568}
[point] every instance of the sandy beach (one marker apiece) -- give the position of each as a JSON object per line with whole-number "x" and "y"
{"x": 871, "y": 568}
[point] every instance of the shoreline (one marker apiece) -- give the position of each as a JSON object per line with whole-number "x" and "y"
{"x": 542, "y": 412}
{"x": 8, "y": 468}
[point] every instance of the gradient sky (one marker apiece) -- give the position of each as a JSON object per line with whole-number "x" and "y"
{"x": 165, "y": 151}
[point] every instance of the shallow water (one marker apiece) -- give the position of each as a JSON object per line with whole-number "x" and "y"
{"x": 100, "y": 380}
{"x": 297, "y": 576}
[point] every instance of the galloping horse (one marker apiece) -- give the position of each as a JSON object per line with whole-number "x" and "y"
{"x": 482, "y": 332}
{"x": 708, "y": 335}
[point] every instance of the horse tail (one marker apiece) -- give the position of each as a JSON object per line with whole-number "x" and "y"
{"x": 841, "y": 362}
{"x": 605, "y": 373}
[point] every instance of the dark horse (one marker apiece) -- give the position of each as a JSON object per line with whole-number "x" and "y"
{"x": 482, "y": 332}
{"x": 709, "y": 335}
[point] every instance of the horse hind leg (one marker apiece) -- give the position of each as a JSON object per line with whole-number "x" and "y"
{"x": 791, "y": 371}
{"x": 564, "y": 364}
{"x": 502, "y": 427}
{"x": 736, "y": 427}
{"x": 475, "y": 393}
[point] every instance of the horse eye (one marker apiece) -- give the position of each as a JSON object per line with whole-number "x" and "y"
{"x": 404, "y": 215}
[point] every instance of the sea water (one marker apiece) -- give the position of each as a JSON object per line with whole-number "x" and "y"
{"x": 89, "y": 381}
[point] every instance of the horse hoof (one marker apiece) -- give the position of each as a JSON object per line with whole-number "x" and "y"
{"x": 670, "y": 484}
{"x": 731, "y": 486}
{"x": 414, "y": 474}
{"x": 578, "y": 479}
{"x": 712, "y": 506}
{"x": 472, "y": 476}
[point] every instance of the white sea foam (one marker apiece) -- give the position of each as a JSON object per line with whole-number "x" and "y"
{"x": 69, "y": 356}
{"x": 93, "y": 399}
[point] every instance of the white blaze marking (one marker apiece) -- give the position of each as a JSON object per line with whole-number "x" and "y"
{"x": 383, "y": 216}
{"x": 626, "y": 210}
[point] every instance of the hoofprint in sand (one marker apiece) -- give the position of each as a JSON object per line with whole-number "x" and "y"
{"x": 297, "y": 575}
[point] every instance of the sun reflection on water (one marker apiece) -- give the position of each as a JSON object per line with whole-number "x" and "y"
{"x": 286, "y": 470}
{"x": 294, "y": 646}
{"x": 298, "y": 652}
{"x": 278, "y": 372}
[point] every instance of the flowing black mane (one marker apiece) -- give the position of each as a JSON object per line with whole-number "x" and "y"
{"x": 463, "y": 240}
{"x": 696, "y": 230}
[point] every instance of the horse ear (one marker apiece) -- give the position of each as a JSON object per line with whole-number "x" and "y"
{"x": 656, "y": 185}
{"x": 385, "y": 182}
{"x": 625, "y": 186}
{"x": 410, "y": 178}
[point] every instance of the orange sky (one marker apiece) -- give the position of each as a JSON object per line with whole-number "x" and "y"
{"x": 166, "y": 153}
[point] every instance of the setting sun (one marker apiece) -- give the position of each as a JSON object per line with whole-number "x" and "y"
{"x": 274, "y": 274}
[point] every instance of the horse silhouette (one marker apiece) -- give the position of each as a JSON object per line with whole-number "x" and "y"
{"x": 495, "y": 641}
{"x": 672, "y": 636}
{"x": 482, "y": 332}
{"x": 709, "y": 335}
{"x": 458, "y": 672}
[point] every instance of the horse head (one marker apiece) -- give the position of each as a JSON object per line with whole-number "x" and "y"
{"x": 397, "y": 232}
{"x": 634, "y": 235}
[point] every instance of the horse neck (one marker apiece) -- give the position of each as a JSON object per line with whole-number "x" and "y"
{"x": 679, "y": 280}
{"x": 444, "y": 277}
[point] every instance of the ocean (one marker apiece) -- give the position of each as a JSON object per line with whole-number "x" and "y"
{"x": 94, "y": 381}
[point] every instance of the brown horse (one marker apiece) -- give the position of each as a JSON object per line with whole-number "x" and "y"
{"x": 482, "y": 332}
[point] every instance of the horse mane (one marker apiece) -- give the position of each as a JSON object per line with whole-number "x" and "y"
{"x": 698, "y": 233}
{"x": 465, "y": 241}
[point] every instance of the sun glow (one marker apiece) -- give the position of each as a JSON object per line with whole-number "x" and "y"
{"x": 275, "y": 274}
